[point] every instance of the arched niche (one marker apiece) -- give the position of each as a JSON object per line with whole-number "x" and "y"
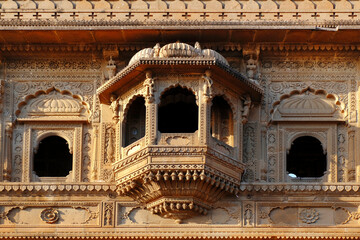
{"x": 178, "y": 111}
{"x": 222, "y": 120}
{"x": 134, "y": 120}
{"x": 53, "y": 104}
{"x": 308, "y": 105}
{"x": 53, "y": 157}
{"x": 306, "y": 158}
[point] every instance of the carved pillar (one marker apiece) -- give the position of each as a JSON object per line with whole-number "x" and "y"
{"x": 151, "y": 110}
{"x": 1, "y": 123}
{"x": 204, "y": 102}
{"x": 238, "y": 131}
{"x": 7, "y": 160}
{"x": 94, "y": 165}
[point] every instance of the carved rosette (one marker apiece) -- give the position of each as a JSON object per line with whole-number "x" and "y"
{"x": 50, "y": 215}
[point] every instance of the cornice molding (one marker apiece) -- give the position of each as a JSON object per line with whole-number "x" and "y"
{"x": 49, "y": 24}
{"x": 227, "y": 47}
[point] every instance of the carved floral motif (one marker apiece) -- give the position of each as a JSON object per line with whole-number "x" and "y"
{"x": 50, "y": 215}
{"x": 309, "y": 215}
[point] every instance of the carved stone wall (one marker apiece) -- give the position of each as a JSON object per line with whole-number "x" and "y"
{"x": 269, "y": 203}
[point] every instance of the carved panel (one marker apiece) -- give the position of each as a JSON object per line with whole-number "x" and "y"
{"x": 108, "y": 214}
{"x": 108, "y": 150}
{"x": 272, "y": 154}
{"x": 250, "y": 152}
{"x": 87, "y": 149}
{"x": 17, "y": 154}
{"x": 305, "y": 214}
{"x": 249, "y": 214}
{"x": 343, "y": 163}
{"x": 64, "y": 215}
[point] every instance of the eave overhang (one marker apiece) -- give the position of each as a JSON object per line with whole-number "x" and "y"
{"x": 179, "y": 65}
{"x": 135, "y": 35}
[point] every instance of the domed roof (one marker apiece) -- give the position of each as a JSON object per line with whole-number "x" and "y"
{"x": 54, "y": 103}
{"x": 214, "y": 54}
{"x": 307, "y": 104}
{"x": 179, "y": 50}
{"x": 144, "y": 53}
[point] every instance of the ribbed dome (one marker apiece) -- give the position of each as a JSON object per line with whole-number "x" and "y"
{"x": 178, "y": 50}
{"x": 55, "y": 103}
{"x": 144, "y": 53}
{"x": 307, "y": 104}
{"x": 216, "y": 55}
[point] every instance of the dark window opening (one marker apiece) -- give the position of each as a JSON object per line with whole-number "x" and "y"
{"x": 135, "y": 121}
{"x": 222, "y": 120}
{"x": 178, "y": 112}
{"x": 306, "y": 158}
{"x": 53, "y": 158}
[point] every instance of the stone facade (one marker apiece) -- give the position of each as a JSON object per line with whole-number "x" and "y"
{"x": 263, "y": 77}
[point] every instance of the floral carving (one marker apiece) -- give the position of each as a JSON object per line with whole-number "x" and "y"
{"x": 309, "y": 215}
{"x": 50, "y": 215}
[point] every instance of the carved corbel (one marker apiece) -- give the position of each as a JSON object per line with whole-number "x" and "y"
{"x": 207, "y": 87}
{"x": 111, "y": 68}
{"x": 110, "y": 53}
{"x": 150, "y": 87}
{"x": 7, "y": 162}
{"x": 115, "y": 106}
{"x": 251, "y": 57}
{"x": 247, "y": 104}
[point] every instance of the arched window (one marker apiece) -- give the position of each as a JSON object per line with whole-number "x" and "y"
{"x": 53, "y": 158}
{"x": 306, "y": 158}
{"x": 222, "y": 126}
{"x": 135, "y": 121}
{"x": 178, "y": 112}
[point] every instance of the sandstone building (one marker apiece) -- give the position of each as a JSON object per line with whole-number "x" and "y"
{"x": 163, "y": 119}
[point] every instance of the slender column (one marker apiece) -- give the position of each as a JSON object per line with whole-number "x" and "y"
{"x": 94, "y": 166}
{"x": 151, "y": 110}
{"x": 204, "y": 108}
{"x": 8, "y": 153}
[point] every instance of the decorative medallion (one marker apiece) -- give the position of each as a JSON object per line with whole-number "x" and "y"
{"x": 309, "y": 215}
{"x": 50, "y": 215}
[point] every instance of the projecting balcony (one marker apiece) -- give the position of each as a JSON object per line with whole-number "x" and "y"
{"x": 180, "y": 110}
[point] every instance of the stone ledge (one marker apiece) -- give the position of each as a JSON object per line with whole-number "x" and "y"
{"x": 300, "y": 187}
{"x": 56, "y": 187}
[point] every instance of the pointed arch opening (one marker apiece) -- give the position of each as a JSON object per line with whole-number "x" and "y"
{"x": 178, "y": 111}
{"x": 53, "y": 158}
{"x": 306, "y": 158}
{"x": 222, "y": 124}
{"x": 135, "y": 121}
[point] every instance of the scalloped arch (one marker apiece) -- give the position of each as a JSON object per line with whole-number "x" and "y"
{"x": 129, "y": 102}
{"x": 315, "y": 92}
{"x": 28, "y": 99}
{"x": 54, "y": 133}
{"x": 308, "y": 104}
{"x": 228, "y": 100}
{"x": 319, "y": 137}
{"x": 182, "y": 86}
